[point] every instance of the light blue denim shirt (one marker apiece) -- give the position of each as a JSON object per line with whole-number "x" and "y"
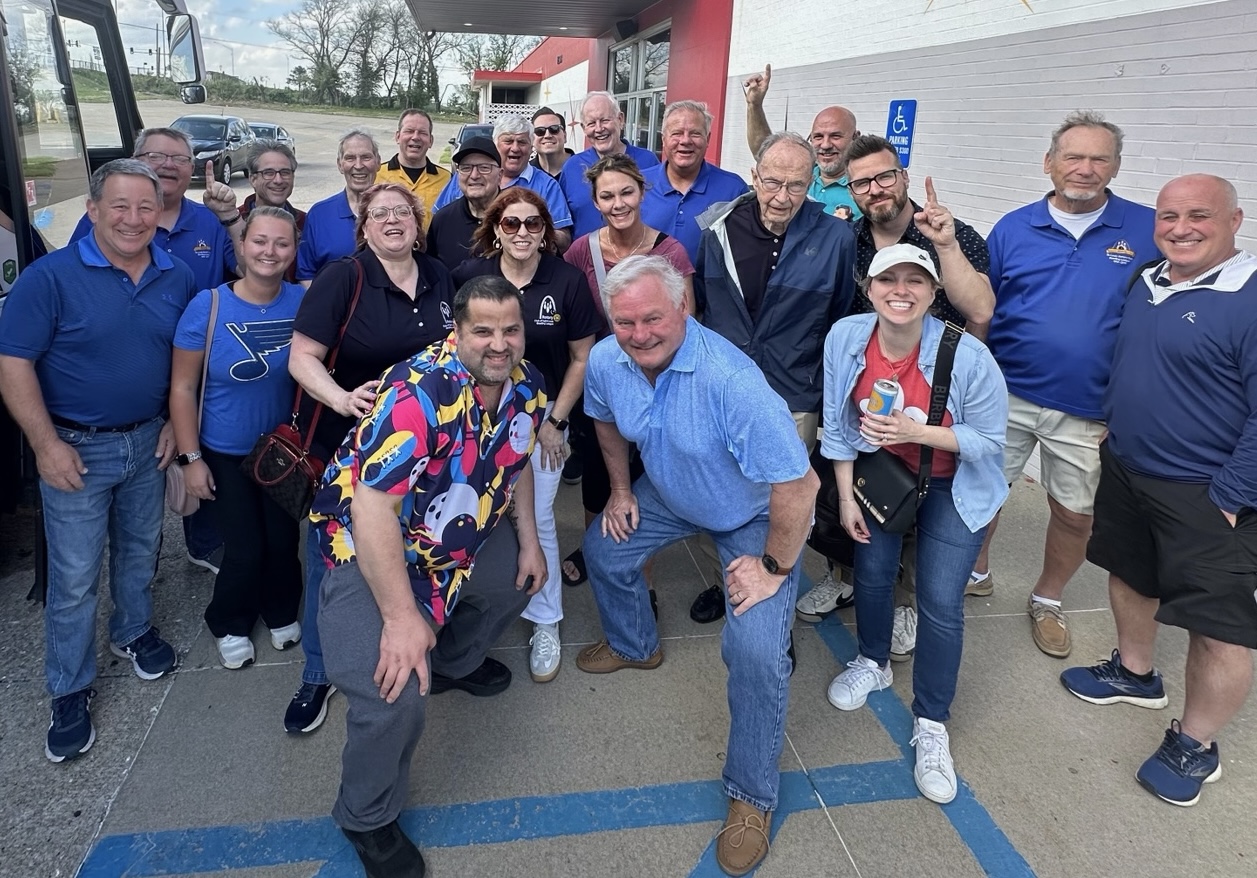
{"x": 977, "y": 402}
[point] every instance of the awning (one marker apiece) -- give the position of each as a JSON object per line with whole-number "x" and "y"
{"x": 572, "y": 18}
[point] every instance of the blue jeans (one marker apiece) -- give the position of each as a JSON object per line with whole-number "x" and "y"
{"x": 753, "y": 645}
{"x": 316, "y": 568}
{"x": 946, "y": 550}
{"x": 120, "y": 504}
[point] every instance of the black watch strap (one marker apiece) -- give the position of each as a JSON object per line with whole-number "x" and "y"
{"x": 772, "y": 566}
{"x": 556, "y": 423}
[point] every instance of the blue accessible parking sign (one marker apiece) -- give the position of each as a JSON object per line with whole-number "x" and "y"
{"x": 900, "y": 124}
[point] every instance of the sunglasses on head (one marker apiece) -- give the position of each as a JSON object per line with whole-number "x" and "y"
{"x": 547, "y": 129}
{"x": 511, "y": 224}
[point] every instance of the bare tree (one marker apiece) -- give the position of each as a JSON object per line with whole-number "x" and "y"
{"x": 326, "y": 32}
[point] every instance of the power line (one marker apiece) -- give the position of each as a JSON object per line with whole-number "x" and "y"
{"x": 203, "y": 37}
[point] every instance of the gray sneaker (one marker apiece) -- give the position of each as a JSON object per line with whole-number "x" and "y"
{"x": 903, "y": 637}
{"x": 825, "y": 597}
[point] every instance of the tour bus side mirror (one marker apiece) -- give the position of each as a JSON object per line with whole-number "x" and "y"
{"x": 192, "y": 94}
{"x": 185, "y": 51}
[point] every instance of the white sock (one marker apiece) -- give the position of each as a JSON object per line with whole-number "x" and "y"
{"x": 980, "y": 577}
{"x": 1048, "y": 601}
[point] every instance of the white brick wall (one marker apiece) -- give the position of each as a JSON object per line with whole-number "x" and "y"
{"x": 1182, "y": 82}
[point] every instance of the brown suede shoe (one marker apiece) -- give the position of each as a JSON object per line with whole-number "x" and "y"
{"x": 1048, "y": 628}
{"x": 599, "y": 659}
{"x": 743, "y": 842}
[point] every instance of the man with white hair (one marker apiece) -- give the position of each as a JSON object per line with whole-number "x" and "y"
{"x": 329, "y": 231}
{"x": 603, "y": 123}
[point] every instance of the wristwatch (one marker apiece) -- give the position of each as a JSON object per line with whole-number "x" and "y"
{"x": 771, "y": 565}
{"x": 185, "y": 459}
{"x": 556, "y": 423}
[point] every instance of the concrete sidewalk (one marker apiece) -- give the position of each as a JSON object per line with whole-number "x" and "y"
{"x": 618, "y": 775}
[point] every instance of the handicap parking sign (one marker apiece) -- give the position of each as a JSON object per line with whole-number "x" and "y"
{"x": 900, "y": 124}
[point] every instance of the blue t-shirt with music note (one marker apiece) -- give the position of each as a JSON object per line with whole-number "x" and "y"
{"x": 248, "y": 391}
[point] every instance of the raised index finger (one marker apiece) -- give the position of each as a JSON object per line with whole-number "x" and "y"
{"x": 209, "y": 170}
{"x": 931, "y": 197}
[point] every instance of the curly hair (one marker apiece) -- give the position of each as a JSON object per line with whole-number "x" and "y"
{"x": 485, "y": 237}
{"x": 364, "y": 205}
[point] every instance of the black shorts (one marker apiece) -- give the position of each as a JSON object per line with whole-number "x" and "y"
{"x": 1169, "y": 541}
{"x": 595, "y": 484}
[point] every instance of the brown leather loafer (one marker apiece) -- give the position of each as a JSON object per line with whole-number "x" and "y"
{"x": 1049, "y": 629}
{"x": 743, "y": 842}
{"x": 599, "y": 659}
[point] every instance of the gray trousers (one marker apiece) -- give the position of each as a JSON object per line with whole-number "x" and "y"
{"x": 381, "y": 737}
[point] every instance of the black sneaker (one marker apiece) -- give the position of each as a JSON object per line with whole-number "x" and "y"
{"x": 573, "y": 469}
{"x": 490, "y": 678}
{"x": 709, "y": 606}
{"x": 210, "y": 562}
{"x": 150, "y": 655}
{"x": 71, "y": 733}
{"x": 308, "y": 708}
{"x": 387, "y": 852}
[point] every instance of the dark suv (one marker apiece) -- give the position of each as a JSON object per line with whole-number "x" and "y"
{"x": 223, "y": 140}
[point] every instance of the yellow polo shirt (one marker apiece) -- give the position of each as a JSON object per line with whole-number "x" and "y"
{"x": 429, "y": 185}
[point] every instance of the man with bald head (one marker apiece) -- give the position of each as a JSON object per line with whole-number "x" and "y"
{"x": 832, "y": 129}
{"x": 1176, "y": 509}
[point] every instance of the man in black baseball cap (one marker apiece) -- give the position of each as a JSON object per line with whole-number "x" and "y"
{"x": 479, "y": 172}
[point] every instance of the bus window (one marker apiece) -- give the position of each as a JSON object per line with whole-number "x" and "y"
{"x": 91, "y": 87}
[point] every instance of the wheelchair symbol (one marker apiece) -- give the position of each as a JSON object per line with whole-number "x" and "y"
{"x": 899, "y": 125}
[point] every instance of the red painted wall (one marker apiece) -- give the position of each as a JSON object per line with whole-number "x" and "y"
{"x": 545, "y": 58}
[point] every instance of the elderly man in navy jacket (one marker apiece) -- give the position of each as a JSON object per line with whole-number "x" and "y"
{"x": 774, "y": 272}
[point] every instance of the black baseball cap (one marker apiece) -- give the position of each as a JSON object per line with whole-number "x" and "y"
{"x": 482, "y": 145}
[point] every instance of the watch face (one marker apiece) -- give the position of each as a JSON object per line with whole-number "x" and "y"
{"x": 770, "y": 564}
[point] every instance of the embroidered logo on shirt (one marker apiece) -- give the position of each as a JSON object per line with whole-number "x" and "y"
{"x": 1120, "y": 253}
{"x": 446, "y": 317}
{"x": 202, "y": 249}
{"x": 548, "y": 314}
{"x": 1190, "y": 317}
{"x": 260, "y": 339}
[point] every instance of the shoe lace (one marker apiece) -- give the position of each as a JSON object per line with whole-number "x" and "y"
{"x": 861, "y": 675}
{"x": 931, "y": 748}
{"x": 738, "y": 829}
{"x": 306, "y": 693}
{"x": 1039, "y": 611}
{"x": 825, "y": 590}
{"x": 545, "y": 643}
{"x": 69, "y": 710}
{"x": 1177, "y": 756}
{"x": 1110, "y": 670}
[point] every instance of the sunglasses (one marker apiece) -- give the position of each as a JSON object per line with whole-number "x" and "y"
{"x": 548, "y": 129}
{"x": 511, "y": 224}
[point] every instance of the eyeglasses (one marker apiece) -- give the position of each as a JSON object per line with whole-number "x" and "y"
{"x": 160, "y": 158}
{"x": 511, "y": 224}
{"x": 484, "y": 169}
{"x": 400, "y": 212}
{"x": 272, "y": 173}
{"x": 547, "y": 129}
{"x": 884, "y": 180}
{"x": 794, "y": 187}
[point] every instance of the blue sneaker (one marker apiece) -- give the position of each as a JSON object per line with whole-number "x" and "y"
{"x": 150, "y": 655}
{"x": 1181, "y": 765}
{"x": 1109, "y": 683}
{"x": 71, "y": 733}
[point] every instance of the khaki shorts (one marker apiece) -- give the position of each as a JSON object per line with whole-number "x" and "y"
{"x": 1069, "y": 452}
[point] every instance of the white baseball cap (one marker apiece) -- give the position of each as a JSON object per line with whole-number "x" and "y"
{"x": 902, "y": 254}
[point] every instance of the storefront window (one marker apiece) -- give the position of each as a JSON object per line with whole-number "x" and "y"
{"x": 638, "y": 71}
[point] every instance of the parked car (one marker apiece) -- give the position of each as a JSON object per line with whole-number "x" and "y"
{"x": 223, "y": 140}
{"x": 271, "y": 131}
{"x": 467, "y": 132}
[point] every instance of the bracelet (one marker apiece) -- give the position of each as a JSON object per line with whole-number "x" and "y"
{"x": 230, "y": 222}
{"x": 846, "y": 499}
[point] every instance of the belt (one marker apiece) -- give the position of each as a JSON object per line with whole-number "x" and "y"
{"x": 87, "y": 428}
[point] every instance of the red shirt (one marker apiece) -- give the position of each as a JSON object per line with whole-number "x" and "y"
{"x": 913, "y": 400}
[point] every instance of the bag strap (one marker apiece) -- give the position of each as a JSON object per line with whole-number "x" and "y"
{"x": 943, "y": 362}
{"x": 330, "y": 361}
{"x": 600, "y": 267}
{"x": 209, "y": 341}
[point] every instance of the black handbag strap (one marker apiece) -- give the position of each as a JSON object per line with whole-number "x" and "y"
{"x": 938, "y": 397}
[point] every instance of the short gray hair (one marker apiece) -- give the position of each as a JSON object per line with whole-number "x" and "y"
{"x": 141, "y": 139}
{"x": 512, "y": 125}
{"x": 261, "y": 148}
{"x": 1087, "y": 119}
{"x": 599, "y": 95}
{"x": 350, "y": 135}
{"x": 121, "y": 167}
{"x": 789, "y": 137}
{"x": 690, "y": 107}
{"x": 636, "y": 268}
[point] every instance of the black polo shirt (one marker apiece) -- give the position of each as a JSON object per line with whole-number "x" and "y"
{"x": 755, "y": 253}
{"x": 387, "y": 327}
{"x": 972, "y": 244}
{"x": 449, "y": 235}
{"x": 558, "y": 308}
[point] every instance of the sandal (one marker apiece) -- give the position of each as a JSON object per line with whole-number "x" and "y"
{"x": 577, "y": 560}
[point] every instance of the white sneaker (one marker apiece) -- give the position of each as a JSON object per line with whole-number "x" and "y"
{"x": 825, "y": 597}
{"x": 543, "y": 663}
{"x": 850, "y": 689}
{"x": 903, "y": 637}
{"x": 235, "y": 652}
{"x": 289, "y": 635}
{"x": 934, "y": 774}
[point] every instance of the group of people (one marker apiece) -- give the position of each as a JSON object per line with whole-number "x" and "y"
{"x": 446, "y": 342}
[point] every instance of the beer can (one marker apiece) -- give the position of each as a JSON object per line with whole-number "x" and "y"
{"x": 882, "y": 397}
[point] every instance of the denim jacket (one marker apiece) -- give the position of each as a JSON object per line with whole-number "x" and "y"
{"x": 977, "y": 402}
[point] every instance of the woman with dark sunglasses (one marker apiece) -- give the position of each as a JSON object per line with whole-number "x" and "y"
{"x": 517, "y": 241}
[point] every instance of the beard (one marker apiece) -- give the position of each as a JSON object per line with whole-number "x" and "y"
{"x": 886, "y": 210}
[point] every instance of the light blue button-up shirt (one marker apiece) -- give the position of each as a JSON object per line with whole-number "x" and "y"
{"x": 977, "y": 402}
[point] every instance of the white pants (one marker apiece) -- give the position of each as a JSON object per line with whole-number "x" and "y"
{"x": 546, "y": 605}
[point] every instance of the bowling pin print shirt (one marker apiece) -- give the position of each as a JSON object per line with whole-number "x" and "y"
{"x": 448, "y": 463}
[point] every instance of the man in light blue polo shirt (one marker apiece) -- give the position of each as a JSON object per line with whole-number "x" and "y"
{"x": 603, "y": 124}
{"x": 686, "y": 184}
{"x": 85, "y": 348}
{"x": 727, "y": 462}
{"x": 1060, "y": 269}
{"x": 329, "y": 231}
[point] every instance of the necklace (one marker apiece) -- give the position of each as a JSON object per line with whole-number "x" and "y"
{"x": 615, "y": 251}
{"x": 897, "y": 366}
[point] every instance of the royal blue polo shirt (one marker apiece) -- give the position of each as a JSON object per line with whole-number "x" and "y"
{"x": 530, "y": 178}
{"x": 580, "y": 196}
{"x": 328, "y": 235}
{"x": 101, "y": 344}
{"x": 676, "y": 213}
{"x": 198, "y": 240}
{"x": 1058, "y": 301}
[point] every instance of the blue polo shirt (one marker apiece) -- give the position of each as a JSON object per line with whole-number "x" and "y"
{"x": 710, "y": 424}
{"x": 1058, "y": 301}
{"x": 676, "y": 213}
{"x": 198, "y": 240}
{"x": 833, "y": 195}
{"x": 580, "y": 197}
{"x": 100, "y": 343}
{"x": 328, "y": 235}
{"x": 530, "y": 178}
